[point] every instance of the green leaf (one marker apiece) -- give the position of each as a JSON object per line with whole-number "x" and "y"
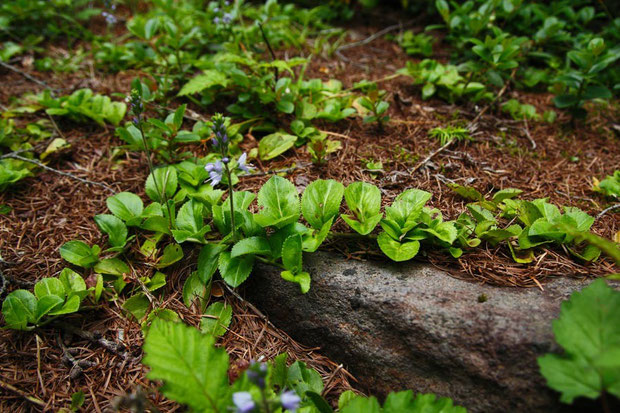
{"x": 364, "y": 201}
{"x": 301, "y": 277}
{"x": 46, "y": 304}
{"x": 466, "y": 192}
{"x": 79, "y": 253}
{"x": 72, "y": 305}
{"x": 216, "y": 320}
{"x": 126, "y": 206}
{"x": 252, "y": 245}
{"x": 114, "y": 227}
{"x": 565, "y": 101}
{"x": 302, "y": 379}
{"x": 162, "y": 184}
{"x": 279, "y": 201}
{"x": 235, "y": 270}
{"x": 596, "y": 92}
{"x": 193, "y": 289}
{"x": 208, "y": 261}
{"x": 320, "y": 202}
{"x": 190, "y": 223}
{"x": 72, "y": 282}
{"x": 172, "y": 253}
{"x": 19, "y": 308}
{"x": 319, "y": 402}
{"x": 275, "y": 144}
{"x": 362, "y": 405}
{"x": 193, "y": 370}
{"x": 49, "y": 286}
{"x": 291, "y": 253}
{"x": 588, "y": 330}
{"x": 137, "y": 305}
{"x": 397, "y": 251}
{"x": 204, "y": 81}
{"x": 112, "y": 266}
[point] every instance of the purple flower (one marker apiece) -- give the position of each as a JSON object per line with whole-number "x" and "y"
{"x": 245, "y": 167}
{"x": 215, "y": 169}
{"x": 227, "y": 18}
{"x": 243, "y": 401}
{"x": 216, "y": 20}
{"x": 257, "y": 373}
{"x": 109, "y": 17}
{"x": 220, "y": 140}
{"x": 290, "y": 400}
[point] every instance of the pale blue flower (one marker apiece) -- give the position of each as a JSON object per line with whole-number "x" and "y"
{"x": 245, "y": 167}
{"x": 243, "y": 401}
{"x": 216, "y": 170}
{"x": 290, "y": 400}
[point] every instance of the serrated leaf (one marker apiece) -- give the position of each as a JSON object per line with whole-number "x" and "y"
{"x": 208, "y": 260}
{"x": 204, "y": 81}
{"x": 588, "y": 330}
{"x": 235, "y": 270}
{"x": 193, "y": 370}
{"x": 279, "y": 203}
{"x": 252, "y": 245}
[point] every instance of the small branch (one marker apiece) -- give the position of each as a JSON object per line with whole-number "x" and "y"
{"x": 431, "y": 156}
{"x": 370, "y": 38}
{"x": 22, "y": 393}
{"x": 301, "y": 165}
{"x": 606, "y": 210}
{"x": 527, "y": 134}
{"x": 67, "y": 174}
{"x": 24, "y": 74}
{"x": 111, "y": 346}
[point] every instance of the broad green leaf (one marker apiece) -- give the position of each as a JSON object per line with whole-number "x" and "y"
{"x": 126, "y": 206}
{"x": 216, "y": 319}
{"x": 112, "y": 266}
{"x": 364, "y": 200}
{"x": 46, "y": 304}
{"x": 275, "y": 144}
{"x": 72, "y": 305}
{"x": 114, "y": 228}
{"x": 172, "y": 253}
{"x": 319, "y": 402}
{"x": 320, "y": 202}
{"x": 193, "y": 289}
{"x": 19, "y": 308}
{"x": 588, "y": 330}
{"x": 252, "y": 245}
{"x": 507, "y": 193}
{"x": 466, "y": 192}
{"x": 137, "y": 305}
{"x": 279, "y": 203}
{"x": 235, "y": 270}
{"x": 49, "y": 286}
{"x": 194, "y": 372}
{"x": 208, "y": 261}
{"x": 79, "y": 253}
{"x": 362, "y": 405}
{"x": 161, "y": 185}
{"x": 397, "y": 251}
{"x": 71, "y": 281}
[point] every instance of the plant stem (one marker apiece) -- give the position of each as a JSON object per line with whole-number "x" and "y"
{"x": 232, "y": 204}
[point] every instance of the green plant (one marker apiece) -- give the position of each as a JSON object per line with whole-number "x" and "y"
{"x": 520, "y": 111}
{"x": 577, "y": 86}
{"x": 195, "y": 373}
{"x": 610, "y": 186}
{"x": 376, "y": 107}
{"x": 82, "y": 104}
{"x": 589, "y": 333}
{"x": 450, "y": 133}
{"x": 52, "y": 297}
{"x": 417, "y": 44}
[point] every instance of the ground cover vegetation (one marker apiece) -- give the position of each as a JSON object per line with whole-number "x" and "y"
{"x": 210, "y": 137}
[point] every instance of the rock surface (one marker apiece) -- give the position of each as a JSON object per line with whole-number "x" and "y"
{"x": 413, "y": 326}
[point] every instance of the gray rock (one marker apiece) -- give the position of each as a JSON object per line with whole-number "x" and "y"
{"x": 412, "y": 326}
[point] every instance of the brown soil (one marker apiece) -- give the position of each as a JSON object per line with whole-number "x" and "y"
{"x": 50, "y": 209}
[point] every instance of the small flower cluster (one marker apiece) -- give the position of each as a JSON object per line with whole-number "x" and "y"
{"x": 257, "y": 374}
{"x": 109, "y": 17}
{"x": 136, "y": 107}
{"x": 222, "y": 17}
{"x": 220, "y": 142}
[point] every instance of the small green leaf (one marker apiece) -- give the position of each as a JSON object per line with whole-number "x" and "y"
{"x": 162, "y": 184}
{"x": 275, "y": 144}
{"x": 112, "y": 266}
{"x": 49, "y": 286}
{"x": 172, "y": 253}
{"x": 252, "y": 245}
{"x": 291, "y": 254}
{"x": 79, "y": 253}
{"x": 397, "y": 251}
{"x": 126, "y": 206}
{"x": 46, "y": 304}
{"x": 235, "y": 270}
{"x": 279, "y": 203}
{"x": 194, "y": 289}
{"x": 216, "y": 320}
{"x": 137, "y": 305}
{"x": 114, "y": 228}
{"x": 19, "y": 308}
{"x": 301, "y": 277}
{"x": 320, "y": 202}
{"x": 208, "y": 261}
